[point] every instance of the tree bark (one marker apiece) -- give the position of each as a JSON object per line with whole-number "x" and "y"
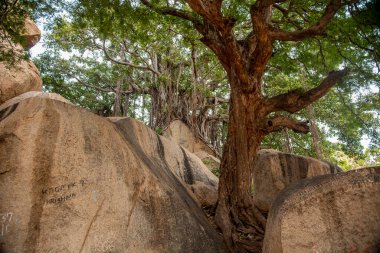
{"x": 194, "y": 78}
{"x": 142, "y": 107}
{"x": 314, "y": 132}
{"x": 117, "y": 103}
{"x": 286, "y": 145}
{"x": 235, "y": 211}
{"x": 126, "y": 105}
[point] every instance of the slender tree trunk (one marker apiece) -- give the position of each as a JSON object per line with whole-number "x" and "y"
{"x": 153, "y": 96}
{"x": 142, "y": 107}
{"x": 151, "y": 112}
{"x": 314, "y": 132}
{"x": 286, "y": 143}
{"x": 133, "y": 111}
{"x": 194, "y": 78}
{"x": 117, "y": 102}
{"x": 126, "y": 105}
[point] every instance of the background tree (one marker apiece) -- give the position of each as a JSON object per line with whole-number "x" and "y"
{"x": 136, "y": 62}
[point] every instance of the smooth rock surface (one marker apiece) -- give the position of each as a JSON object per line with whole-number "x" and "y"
{"x": 206, "y": 194}
{"x": 275, "y": 170}
{"x": 16, "y": 80}
{"x": 211, "y": 162}
{"x": 32, "y": 33}
{"x": 180, "y": 133}
{"x": 338, "y": 213}
{"x": 31, "y": 94}
{"x": 71, "y": 181}
{"x": 184, "y": 164}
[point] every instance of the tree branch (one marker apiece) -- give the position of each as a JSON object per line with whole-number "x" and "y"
{"x": 282, "y": 9}
{"x": 261, "y": 14}
{"x": 210, "y": 10}
{"x": 266, "y": 3}
{"x": 278, "y": 123}
{"x": 317, "y": 29}
{"x": 82, "y": 83}
{"x": 134, "y": 88}
{"x": 218, "y": 117}
{"x": 216, "y": 30}
{"x": 296, "y": 100}
{"x": 127, "y": 63}
{"x": 172, "y": 12}
{"x": 217, "y": 100}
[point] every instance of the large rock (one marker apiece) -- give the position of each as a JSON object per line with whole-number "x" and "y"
{"x": 180, "y": 133}
{"x": 274, "y": 170}
{"x": 71, "y": 181}
{"x": 337, "y": 213}
{"x": 206, "y": 194}
{"x": 184, "y": 164}
{"x": 31, "y": 33}
{"x": 14, "y": 101}
{"x": 212, "y": 162}
{"x": 18, "y": 79}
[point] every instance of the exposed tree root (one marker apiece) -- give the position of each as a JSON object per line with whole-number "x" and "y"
{"x": 243, "y": 226}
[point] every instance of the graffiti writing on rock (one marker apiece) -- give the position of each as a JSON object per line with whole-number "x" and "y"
{"x": 61, "y": 199}
{"x": 65, "y": 192}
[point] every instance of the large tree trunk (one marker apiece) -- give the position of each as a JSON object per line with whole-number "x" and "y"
{"x": 241, "y": 222}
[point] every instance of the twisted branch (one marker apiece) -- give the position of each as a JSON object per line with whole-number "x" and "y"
{"x": 317, "y": 29}
{"x": 278, "y": 123}
{"x": 295, "y": 100}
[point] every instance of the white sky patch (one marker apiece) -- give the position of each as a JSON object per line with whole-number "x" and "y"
{"x": 37, "y": 49}
{"x": 365, "y": 141}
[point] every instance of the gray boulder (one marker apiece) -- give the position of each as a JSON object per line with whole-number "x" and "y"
{"x": 275, "y": 170}
{"x": 336, "y": 213}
